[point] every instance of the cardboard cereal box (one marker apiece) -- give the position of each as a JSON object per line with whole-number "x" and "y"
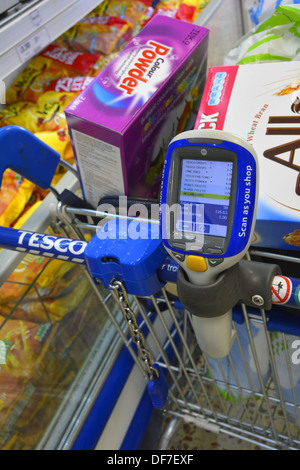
{"x": 261, "y": 104}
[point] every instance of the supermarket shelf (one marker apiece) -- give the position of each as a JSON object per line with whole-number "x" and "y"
{"x": 208, "y": 12}
{"x": 28, "y": 33}
{"x": 10, "y": 9}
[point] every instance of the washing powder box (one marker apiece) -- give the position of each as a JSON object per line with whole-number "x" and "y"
{"x": 260, "y": 103}
{"x": 122, "y": 123}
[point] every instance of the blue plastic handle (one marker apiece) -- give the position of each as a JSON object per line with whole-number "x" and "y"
{"x": 49, "y": 246}
{"x": 24, "y": 153}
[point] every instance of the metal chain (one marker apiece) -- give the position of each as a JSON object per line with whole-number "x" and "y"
{"x": 134, "y": 330}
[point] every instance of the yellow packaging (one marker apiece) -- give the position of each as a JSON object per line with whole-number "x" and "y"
{"x": 58, "y": 140}
{"x": 46, "y": 115}
{"x": 15, "y": 193}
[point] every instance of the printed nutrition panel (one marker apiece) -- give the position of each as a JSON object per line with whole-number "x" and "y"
{"x": 100, "y": 167}
{"x": 207, "y": 183}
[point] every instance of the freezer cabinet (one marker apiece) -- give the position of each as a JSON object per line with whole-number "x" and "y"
{"x": 101, "y": 394}
{"x": 59, "y": 349}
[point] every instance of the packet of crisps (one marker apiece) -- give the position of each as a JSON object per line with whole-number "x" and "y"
{"x": 78, "y": 62}
{"x": 58, "y": 140}
{"x": 64, "y": 296}
{"x": 26, "y": 343}
{"x": 10, "y": 112}
{"x": 53, "y": 64}
{"x": 59, "y": 286}
{"x": 57, "y": 275}
{"x": 32, "y": 82}
{"x": 103, "y": 62}
{"x": 69, "y": 84}
{"x": 47, "y": 275}
{"x": 97, "y": 35}
{"x": 186, "y": 12}
{"x": 15, "y": 193}
{"x": 46, "y": 115}
{"x": 131, "y": 12}
{"x": 29, "y": 209}
{"x": 21, "y": 279}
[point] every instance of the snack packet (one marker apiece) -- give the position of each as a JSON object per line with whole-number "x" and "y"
{"x": 186, "y": 13}
{"x": 46, "y": 115}
{"x": 131, "y": 12}
{"x": 58, "y": 140}
{"x": 97, "y": 35}
{"x": 15, "y": 193}
{"x": 78, "y": 62}
{"x": 32, "y": 82}
{"x": 58, "y": 288}
{"x": 62, "y": 298}
{"x": 69, "y": 84}
{"x": 20, "y": 280}
{"x": 10, "y": 112}
{"x": 53, "y": 64}
{"x": 29, "y": 209}
{"x": 27, "y": 340}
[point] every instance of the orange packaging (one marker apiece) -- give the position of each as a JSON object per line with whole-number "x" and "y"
{"x": 49, "y": 272}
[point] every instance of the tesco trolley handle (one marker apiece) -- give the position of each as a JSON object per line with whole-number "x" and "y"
{"x": 285, "y": 290}
{"x": 152, "y": 267}
{"x": 49, "y": 246}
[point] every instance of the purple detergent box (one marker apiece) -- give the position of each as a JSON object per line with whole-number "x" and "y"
{"x": 122, "y": 123}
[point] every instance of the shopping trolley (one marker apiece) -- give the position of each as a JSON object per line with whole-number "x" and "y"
{"x": 254, "y": 392}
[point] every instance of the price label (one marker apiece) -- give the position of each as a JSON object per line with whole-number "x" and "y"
{"x": 36, "y": 18}
{"x": 33, "y": 45}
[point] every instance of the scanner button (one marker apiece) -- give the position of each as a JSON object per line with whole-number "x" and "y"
{"x": 215, "y": 262}
{"x": 196, "y": 263}
{"x": 179, "y": 256}
{"x": 213, "y": 251}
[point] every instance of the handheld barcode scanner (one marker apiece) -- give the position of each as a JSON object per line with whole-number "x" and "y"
{"x": 208, "y": 209}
